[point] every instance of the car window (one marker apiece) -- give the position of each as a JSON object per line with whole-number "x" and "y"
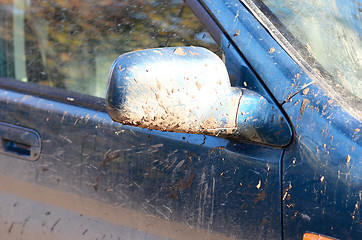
{"x": 328, "y": 34}
{"x": 72, "y": 44}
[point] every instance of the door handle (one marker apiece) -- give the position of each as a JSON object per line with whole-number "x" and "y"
{"x": 19, "y": 142}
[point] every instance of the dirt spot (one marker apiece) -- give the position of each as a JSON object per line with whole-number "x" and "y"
{"x": 209, "y": 123}
{"x": 188, "y": 182}
{"x": 181, "y": 185}
{"x": 221, "y": 148}
{"x": 194, "y": 53}
{"x": 158, "y": 85}
{"x": 271, "y": 50}
{"x": 305, "y": 91}
{"x": 303, "y": 106}
{"x": 296, "y": 102}
{"x": 259, "y": 185}
{"x": 179, "y": 51}
{"x": 11, "y": 227}
{"x": 52, "y": 228}
{"x": 198, "y": 85}
{"x": 286, "y": 190}
{"x": 308, "y": 48}
{"x": 236, "y": 33}
{"x": 110, "y": 156}
{"x": 263, "y": 222}
{"x": 348, "y": 158}
{"x": 260, "y": 197}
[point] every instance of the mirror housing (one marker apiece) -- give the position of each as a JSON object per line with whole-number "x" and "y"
{"x": 187, "y": 90}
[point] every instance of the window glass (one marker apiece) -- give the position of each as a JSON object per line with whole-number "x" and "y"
{"x": 329, "y": 35}
{"x": 71, "y": 44}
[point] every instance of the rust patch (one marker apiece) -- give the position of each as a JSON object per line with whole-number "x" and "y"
{"x": 236, "y": 33}
{"x": 179, "y": 51}
{"x": 271, "y": 50}
{"x": 303, "y": 106}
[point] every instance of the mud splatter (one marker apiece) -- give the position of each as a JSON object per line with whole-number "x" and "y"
{"x": 303, "y": 106}
{"x": 179, "y": 51}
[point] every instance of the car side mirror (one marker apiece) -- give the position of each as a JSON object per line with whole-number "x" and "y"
{"x": 187, "y": 90}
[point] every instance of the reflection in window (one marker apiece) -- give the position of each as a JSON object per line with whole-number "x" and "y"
{"x": 72, "y": 44}
{"x": 330, "y": 31}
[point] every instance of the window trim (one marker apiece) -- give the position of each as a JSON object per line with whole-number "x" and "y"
{"x": 52, "y": 93}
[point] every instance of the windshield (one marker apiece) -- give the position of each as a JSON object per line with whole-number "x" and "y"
{"x": 328, "y": 34}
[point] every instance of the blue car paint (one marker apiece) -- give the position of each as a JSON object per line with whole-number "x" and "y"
{"x": 321, "y": 169}
{"x": 210, "y": 187}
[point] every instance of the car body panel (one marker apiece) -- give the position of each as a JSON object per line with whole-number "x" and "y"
{"x": 324, "y": 159}
{"x": 205, "y": 184}
{"x": 322, "y": 168}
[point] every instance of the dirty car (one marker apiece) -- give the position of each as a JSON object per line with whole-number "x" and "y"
{"x": 195, "y": 119}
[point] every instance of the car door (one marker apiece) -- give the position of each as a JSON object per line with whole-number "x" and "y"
{"x": 306, "y": 53}
{"x": 69, "y": 172}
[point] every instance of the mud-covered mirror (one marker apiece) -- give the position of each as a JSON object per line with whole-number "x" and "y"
{"x": 187, "y": 89}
